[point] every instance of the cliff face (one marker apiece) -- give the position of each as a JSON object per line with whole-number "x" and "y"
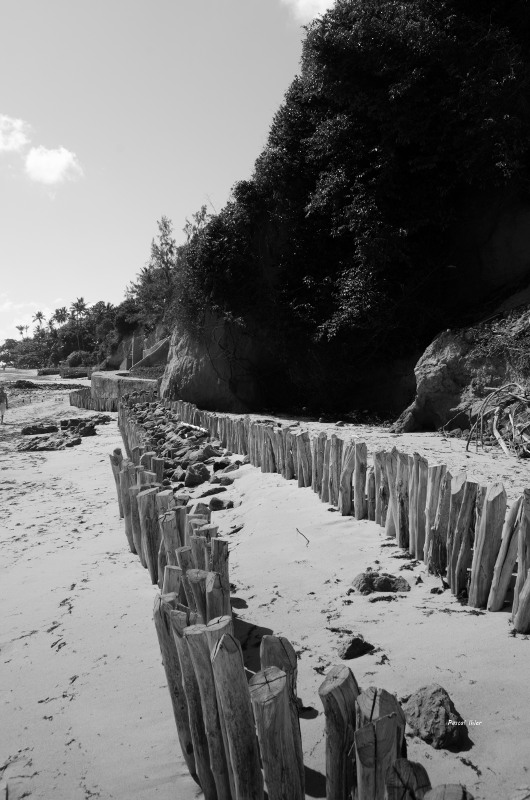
{"x": 459, "y": 367}
{"x": 211, "y": 369}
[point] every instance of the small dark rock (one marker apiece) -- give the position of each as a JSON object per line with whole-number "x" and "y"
{"x": 218, "y": 504}
{"x": 214, "y": 490}
{"x": 221, "y": 464}
{"x": 35, "y": 430}
{"x": 355, "y": 648}
{"x": 232, "y": 467}
{"x": 226, "y": 480}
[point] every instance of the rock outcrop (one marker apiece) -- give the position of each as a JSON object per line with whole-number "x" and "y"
{"x": 459, "y": 367}
{"x": 211, "y": 369}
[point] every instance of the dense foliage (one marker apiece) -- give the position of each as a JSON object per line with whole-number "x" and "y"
{"x": 79, "y": 335}
{"x": 349, "y": 230}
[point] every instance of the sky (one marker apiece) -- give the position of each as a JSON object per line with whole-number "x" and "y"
{"x": 116, "y": 112}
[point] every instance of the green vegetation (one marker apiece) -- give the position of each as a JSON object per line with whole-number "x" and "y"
{"x": 78, "y": 335}
{"x": 347, "y": 240}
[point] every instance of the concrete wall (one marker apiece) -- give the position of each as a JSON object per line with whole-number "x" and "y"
{"x": 104, "y": 385}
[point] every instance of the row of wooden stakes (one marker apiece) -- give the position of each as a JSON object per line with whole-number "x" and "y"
{"x": 217, "y": 710}
{"x": 459, "y": 528}
{"x": 82, "y": 398}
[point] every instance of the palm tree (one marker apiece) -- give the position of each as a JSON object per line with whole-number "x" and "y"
{"x": 60, "y": 315}
{"x": 26, "y": 328}
{"x": 20, "y": 329}
{"x": 78, "y": 309}
{"x": 39, "y": 319}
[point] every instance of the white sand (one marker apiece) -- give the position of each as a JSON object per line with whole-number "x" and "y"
{"x": 86, "y": 711}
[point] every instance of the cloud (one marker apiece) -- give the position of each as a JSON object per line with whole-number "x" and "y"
{"x": 14, "y": 134}
{"x": 52, "y": 166}
{"x": 306, "y": 10}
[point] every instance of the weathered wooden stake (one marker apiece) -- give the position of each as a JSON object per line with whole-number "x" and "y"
{"x": 127, "y": 479}
{"x": 234, "y": 699}
{"x": 135, "y": 524}
{"x": 435, "y": 476}
{"x": 406, "y": 780}
{"x": 346, "y": 477}
{"x": 523, "y": 556}
{"x": 163, "y": 606}
{"x": 270, "y": 701}
{"x": 463, "y": 538}
{"x": 197, "y": 580}
{"x": 504, "y": 566}
{"x": 370, "y": 492}
{"x": 402, "y": 496}
{"x": 458, "y": 485}
{"x": 150, "y": 528}
{"x": 116, "y": 458}
{"x": 487, "y": 545}
{"x": 195, "y": 636}
{"x": 376, "y": 750}
{"x": 179, "y": 622}
{"x": 359, "y": 480}
{"x": 437, "y": 556}
{"x": 338, "y": 693}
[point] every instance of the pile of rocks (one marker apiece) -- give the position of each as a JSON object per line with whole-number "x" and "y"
{"x": 68, "y": 433}
{"x": 191, "y": 457}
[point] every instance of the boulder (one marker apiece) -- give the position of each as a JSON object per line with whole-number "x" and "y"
{"x": 226, "y": 480}
{"x": 232, "y": 467}
{"x": 355, "y": 648}
{"x": 432, "y": 716}
{"x": 372, "y": 581}
{"x": 201, "y": 454}
{"x": 196, "y": 474}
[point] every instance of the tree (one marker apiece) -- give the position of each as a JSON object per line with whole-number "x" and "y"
{"x": 60, "y": 315}
{"x": 20, "y": 329}
{"x": 39, "y": 319}
{"x": 154, "y": 289}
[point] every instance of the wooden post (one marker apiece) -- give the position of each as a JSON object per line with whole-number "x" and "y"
{"x": 318, "y": 461}
{"x": 277, "y": 651}
{"x": 179, "y": 622}
{"x": 289, "y": 463}
{"x": 359, "y": 480}
{"x": 170, "y": 535}
{"x": 219, "y": 564}
{"x": 270, "y": 701}
{"x": 303, "y": 470}
{"x": 345, "y": 480}
{"x": 402, "y": 496}
{"x": 135, "y": 524}
{"x": 199, "y": 552}
{"x": 372, "y": 704}
{"x": 435, "y": 476}
{"x": 197, "y": 579}
{"x": 487, "y": 545}
{"x": 150, "y": 530}
{"x": 406, "y": 780}
{"x": 116, "y": 458}
{"x": 172, "y": 579}
{"x": 157, "y": 466}
{"x": 216, "y": 628}
{"x": 215, "y": 596}
{"x": 421, "y": 500}
{"x": 338, "y": 693}
{"x": 185, "y": 562}
{"x": 195, "y": 636}
{"x": 391, "y": 472}
{"x": 145, "y": 459}
{"x": 437, "y": 556}
{"x": 335, "y": 460}
{"x": 163, "y": 606}
{"x": 523, "y": 556}
{"x": 507, "y": 557}
{"x": 234, "y": 699}
{"x": 461, "y": 556}
{"x": 370, "y": 492}
{"x": 457, "y": 494}
{"x": 414, "y": 471}
{"x": 521, "y": 619}
{"x": 376, "y": 750}
{"x": 127, "y": 479}
{"x": 378, "y": 469}
{"x": 324, "y": 493}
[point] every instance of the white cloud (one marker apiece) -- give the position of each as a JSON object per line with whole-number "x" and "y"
{"x": 52, "y": 166}
{"x": 306, "y": 10}
{"x": 14, "y": 134}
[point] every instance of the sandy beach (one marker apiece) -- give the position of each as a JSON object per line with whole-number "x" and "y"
{"x": 86, "y": 712}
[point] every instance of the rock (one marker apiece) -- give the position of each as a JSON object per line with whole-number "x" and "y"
{"x": 214, "y": 490}
{"x": 221, "y": 464}
{"x": 372, "y": 581}
{"x": 35, "y": 430}
{"x": 200, "y": 508}
{"x": 218, "y": 504}
{"x": 73, "y": 442}
{"x": 196, "y": 474}
{"x": 87, "y": 430}
{"x": 432, "y": 716}
{"x": 355, "y": 648}
{"x": 215, "y": 478}
{"x": 226, "y": 480}
{"x": 179, "y": 474}
{"x": 202, "y": 454}
{"x": 232, "y": 467}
